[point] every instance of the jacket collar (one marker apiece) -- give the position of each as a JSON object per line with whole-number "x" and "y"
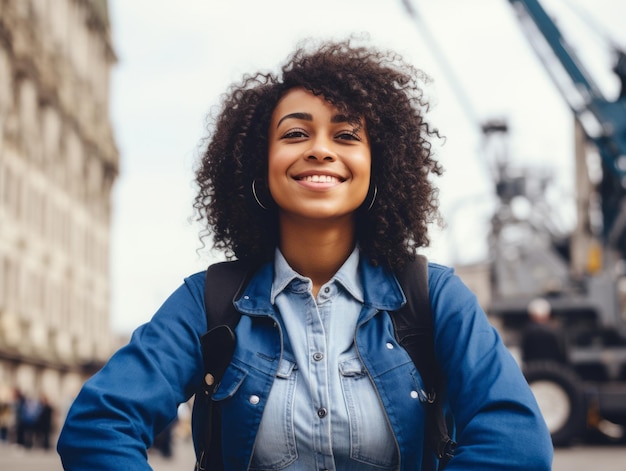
{"x": 381, "y": 289}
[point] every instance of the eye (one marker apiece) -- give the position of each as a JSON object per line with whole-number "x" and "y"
{"x": 349, "y": 136}
{"x": 294, "y": 134}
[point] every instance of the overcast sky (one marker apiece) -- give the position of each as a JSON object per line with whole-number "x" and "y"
{"x": 176, "y": 58}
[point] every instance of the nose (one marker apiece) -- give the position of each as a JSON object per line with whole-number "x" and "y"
{"x": 327, "y": 158}
{"x": 321, "y": 150}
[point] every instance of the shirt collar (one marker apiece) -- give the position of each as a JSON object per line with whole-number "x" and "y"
{"x": 347, "y": 275}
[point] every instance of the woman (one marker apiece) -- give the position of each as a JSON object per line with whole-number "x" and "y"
{"x": 320, "y": 176}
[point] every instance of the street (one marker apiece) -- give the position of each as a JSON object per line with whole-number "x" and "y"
{"x": 579, "y": 458}
{"x": 13, "y": 458}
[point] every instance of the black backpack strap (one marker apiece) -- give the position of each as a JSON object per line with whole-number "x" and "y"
{"x": 414, "y": 330}
{"x": 224, "y": 283}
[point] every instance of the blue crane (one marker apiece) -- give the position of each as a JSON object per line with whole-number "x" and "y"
{"x": 603, "y": 120}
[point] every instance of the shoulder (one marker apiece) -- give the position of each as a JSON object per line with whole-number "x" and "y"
{"x": 195, "y": 281}
{"x": 183, "y": 306}
{"x": 191, "y": 290}
{"x": 448, "y": 292}
{"x": 437, "y": 270}
{"x": 442, "y": 277}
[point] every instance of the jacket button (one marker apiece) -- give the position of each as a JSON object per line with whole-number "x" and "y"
{"x": 254, "y": 399}
{"x": 209, "y": 379}
{"x": 389, "y": 345}
{"x": 318, "y": 356}
{"x": 322, "y": 412}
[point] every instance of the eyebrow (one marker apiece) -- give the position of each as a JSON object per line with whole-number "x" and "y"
{"x": 338, "y": 118}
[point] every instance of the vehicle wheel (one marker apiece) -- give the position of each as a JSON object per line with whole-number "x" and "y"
{"x": 560, "y": 399}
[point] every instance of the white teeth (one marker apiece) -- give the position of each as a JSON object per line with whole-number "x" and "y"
{"x": 320, "y": 178}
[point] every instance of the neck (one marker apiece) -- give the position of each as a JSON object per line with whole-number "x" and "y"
{"x": 316, "y": 250}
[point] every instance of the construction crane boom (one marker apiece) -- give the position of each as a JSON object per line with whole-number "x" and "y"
{"x": 602, "y": 120}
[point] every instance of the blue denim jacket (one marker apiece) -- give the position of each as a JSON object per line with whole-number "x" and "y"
{"x": 498, "y": 424}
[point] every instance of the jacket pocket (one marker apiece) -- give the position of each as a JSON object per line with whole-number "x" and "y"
{"x": 371, "y": 439}
{"x": 232, "y": 380}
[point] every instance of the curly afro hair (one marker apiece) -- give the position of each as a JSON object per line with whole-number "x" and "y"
{"x": 361, "y": 82}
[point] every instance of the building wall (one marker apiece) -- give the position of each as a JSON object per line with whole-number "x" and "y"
{"x": 58, "y": 163}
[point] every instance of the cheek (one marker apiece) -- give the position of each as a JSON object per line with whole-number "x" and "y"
{"x": 277, "y": 166}
{"x": 365, "y": 169}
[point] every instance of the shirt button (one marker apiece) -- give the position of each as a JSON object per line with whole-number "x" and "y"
{"x": 254, "y": 399}
{"x": 318, "y": 356}
{"x": 322, "y": 412}
{"x": 327, "y": 290}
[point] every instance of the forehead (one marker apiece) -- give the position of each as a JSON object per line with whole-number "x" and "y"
{"x": 300, "y": 99}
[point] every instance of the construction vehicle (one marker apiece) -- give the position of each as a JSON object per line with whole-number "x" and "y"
{"x": 580, "y": 384}
{"x": 576, "y": 362}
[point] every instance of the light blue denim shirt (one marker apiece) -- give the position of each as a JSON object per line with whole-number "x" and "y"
{"x": 338, "y": 423}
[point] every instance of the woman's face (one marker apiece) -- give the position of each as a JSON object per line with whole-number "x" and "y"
{"x": 319, "y": 163}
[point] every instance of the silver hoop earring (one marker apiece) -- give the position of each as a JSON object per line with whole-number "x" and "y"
{"x": 256, "y": 197}
{"x": 374, "y": 194}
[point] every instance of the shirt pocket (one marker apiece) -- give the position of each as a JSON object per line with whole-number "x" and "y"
{"x": 371, "y": 438}
{"x": 275, "y": 444}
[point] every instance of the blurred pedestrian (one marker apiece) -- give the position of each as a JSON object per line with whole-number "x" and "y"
{"x": 43, "y": 425}
{"x": 6, "y": 420}
{"x": 29, "y": 412}
{"x": 163, "y": 442}
{"x": 542, "y": 339}
{"x": 20, "y": 429}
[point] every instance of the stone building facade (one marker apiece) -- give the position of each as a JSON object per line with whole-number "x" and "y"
{"x": 58, "y": 164}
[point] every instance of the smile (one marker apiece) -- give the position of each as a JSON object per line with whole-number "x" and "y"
{"x": 320, "y": 179}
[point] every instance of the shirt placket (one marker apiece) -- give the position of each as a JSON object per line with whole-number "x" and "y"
{"x": 320, "y": 386}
